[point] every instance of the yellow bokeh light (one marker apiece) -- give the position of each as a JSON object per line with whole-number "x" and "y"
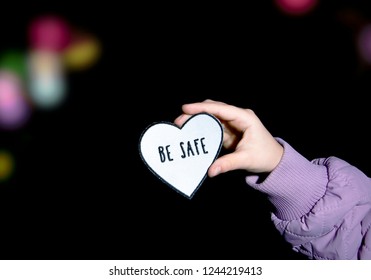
{"x": 82, "y": 53}
{"x": 6, "y": 165}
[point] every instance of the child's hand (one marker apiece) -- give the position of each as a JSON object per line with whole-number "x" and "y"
{"x": 253, "y": 147}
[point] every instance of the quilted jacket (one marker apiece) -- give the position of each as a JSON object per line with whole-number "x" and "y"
{"x": 322, "y": 207}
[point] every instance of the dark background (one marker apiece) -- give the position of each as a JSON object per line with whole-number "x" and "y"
{"x": 80, "y": 189}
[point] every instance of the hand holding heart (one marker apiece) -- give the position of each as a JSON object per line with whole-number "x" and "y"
{"x": 183, "y": 153}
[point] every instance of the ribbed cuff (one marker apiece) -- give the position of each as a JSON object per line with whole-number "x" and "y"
{"x": 295, "y": 185}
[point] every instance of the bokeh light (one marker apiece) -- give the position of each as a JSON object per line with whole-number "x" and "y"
{"x": 296, "y": 7}
{"x": 46, "y": 84}
{"x": 14, "y": 61}
{"x": 83, "y": 51}
{"x": 364, "y": 43}
{"x": 6, "y": 165}
{"x": 49, "y": 33}
{"x": 39, "y": 71}
{"x": 14, "y": 108}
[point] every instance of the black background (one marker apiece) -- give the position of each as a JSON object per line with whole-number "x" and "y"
{"x": 80, "y": 189}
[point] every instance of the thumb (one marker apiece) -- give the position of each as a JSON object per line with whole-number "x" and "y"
{"x": 226, "y": 163}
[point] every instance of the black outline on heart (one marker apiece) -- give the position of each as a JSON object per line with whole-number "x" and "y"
{"x": 180, "y": 128}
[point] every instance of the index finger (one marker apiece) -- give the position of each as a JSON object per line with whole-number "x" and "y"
{"x": 235, "y": 116}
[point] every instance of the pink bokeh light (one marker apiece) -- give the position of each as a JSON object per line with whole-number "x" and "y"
{"x": 14, "y": 108}
{"x": 296, "y": 7}
{"x": 49, "y": 33}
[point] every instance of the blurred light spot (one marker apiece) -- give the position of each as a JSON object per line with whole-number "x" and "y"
{"x": 6, "y": 165}
{"x": 49, "y": 32}
{"x": 47, "y": 84}
{"x": 83, "y": 51}
{"x": 14, "y": 109}
{"x": 296, "y": 7}
{"x": 364, "y": 43}
{"x": 14, "y": 61}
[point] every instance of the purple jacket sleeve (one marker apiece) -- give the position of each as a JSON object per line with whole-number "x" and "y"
{"x": 321, "y": 207}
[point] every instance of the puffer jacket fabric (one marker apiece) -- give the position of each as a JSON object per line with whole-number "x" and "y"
{"x": 322, "y": 207}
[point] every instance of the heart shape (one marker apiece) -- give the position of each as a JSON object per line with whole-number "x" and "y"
{"x": 180, "y": 157}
